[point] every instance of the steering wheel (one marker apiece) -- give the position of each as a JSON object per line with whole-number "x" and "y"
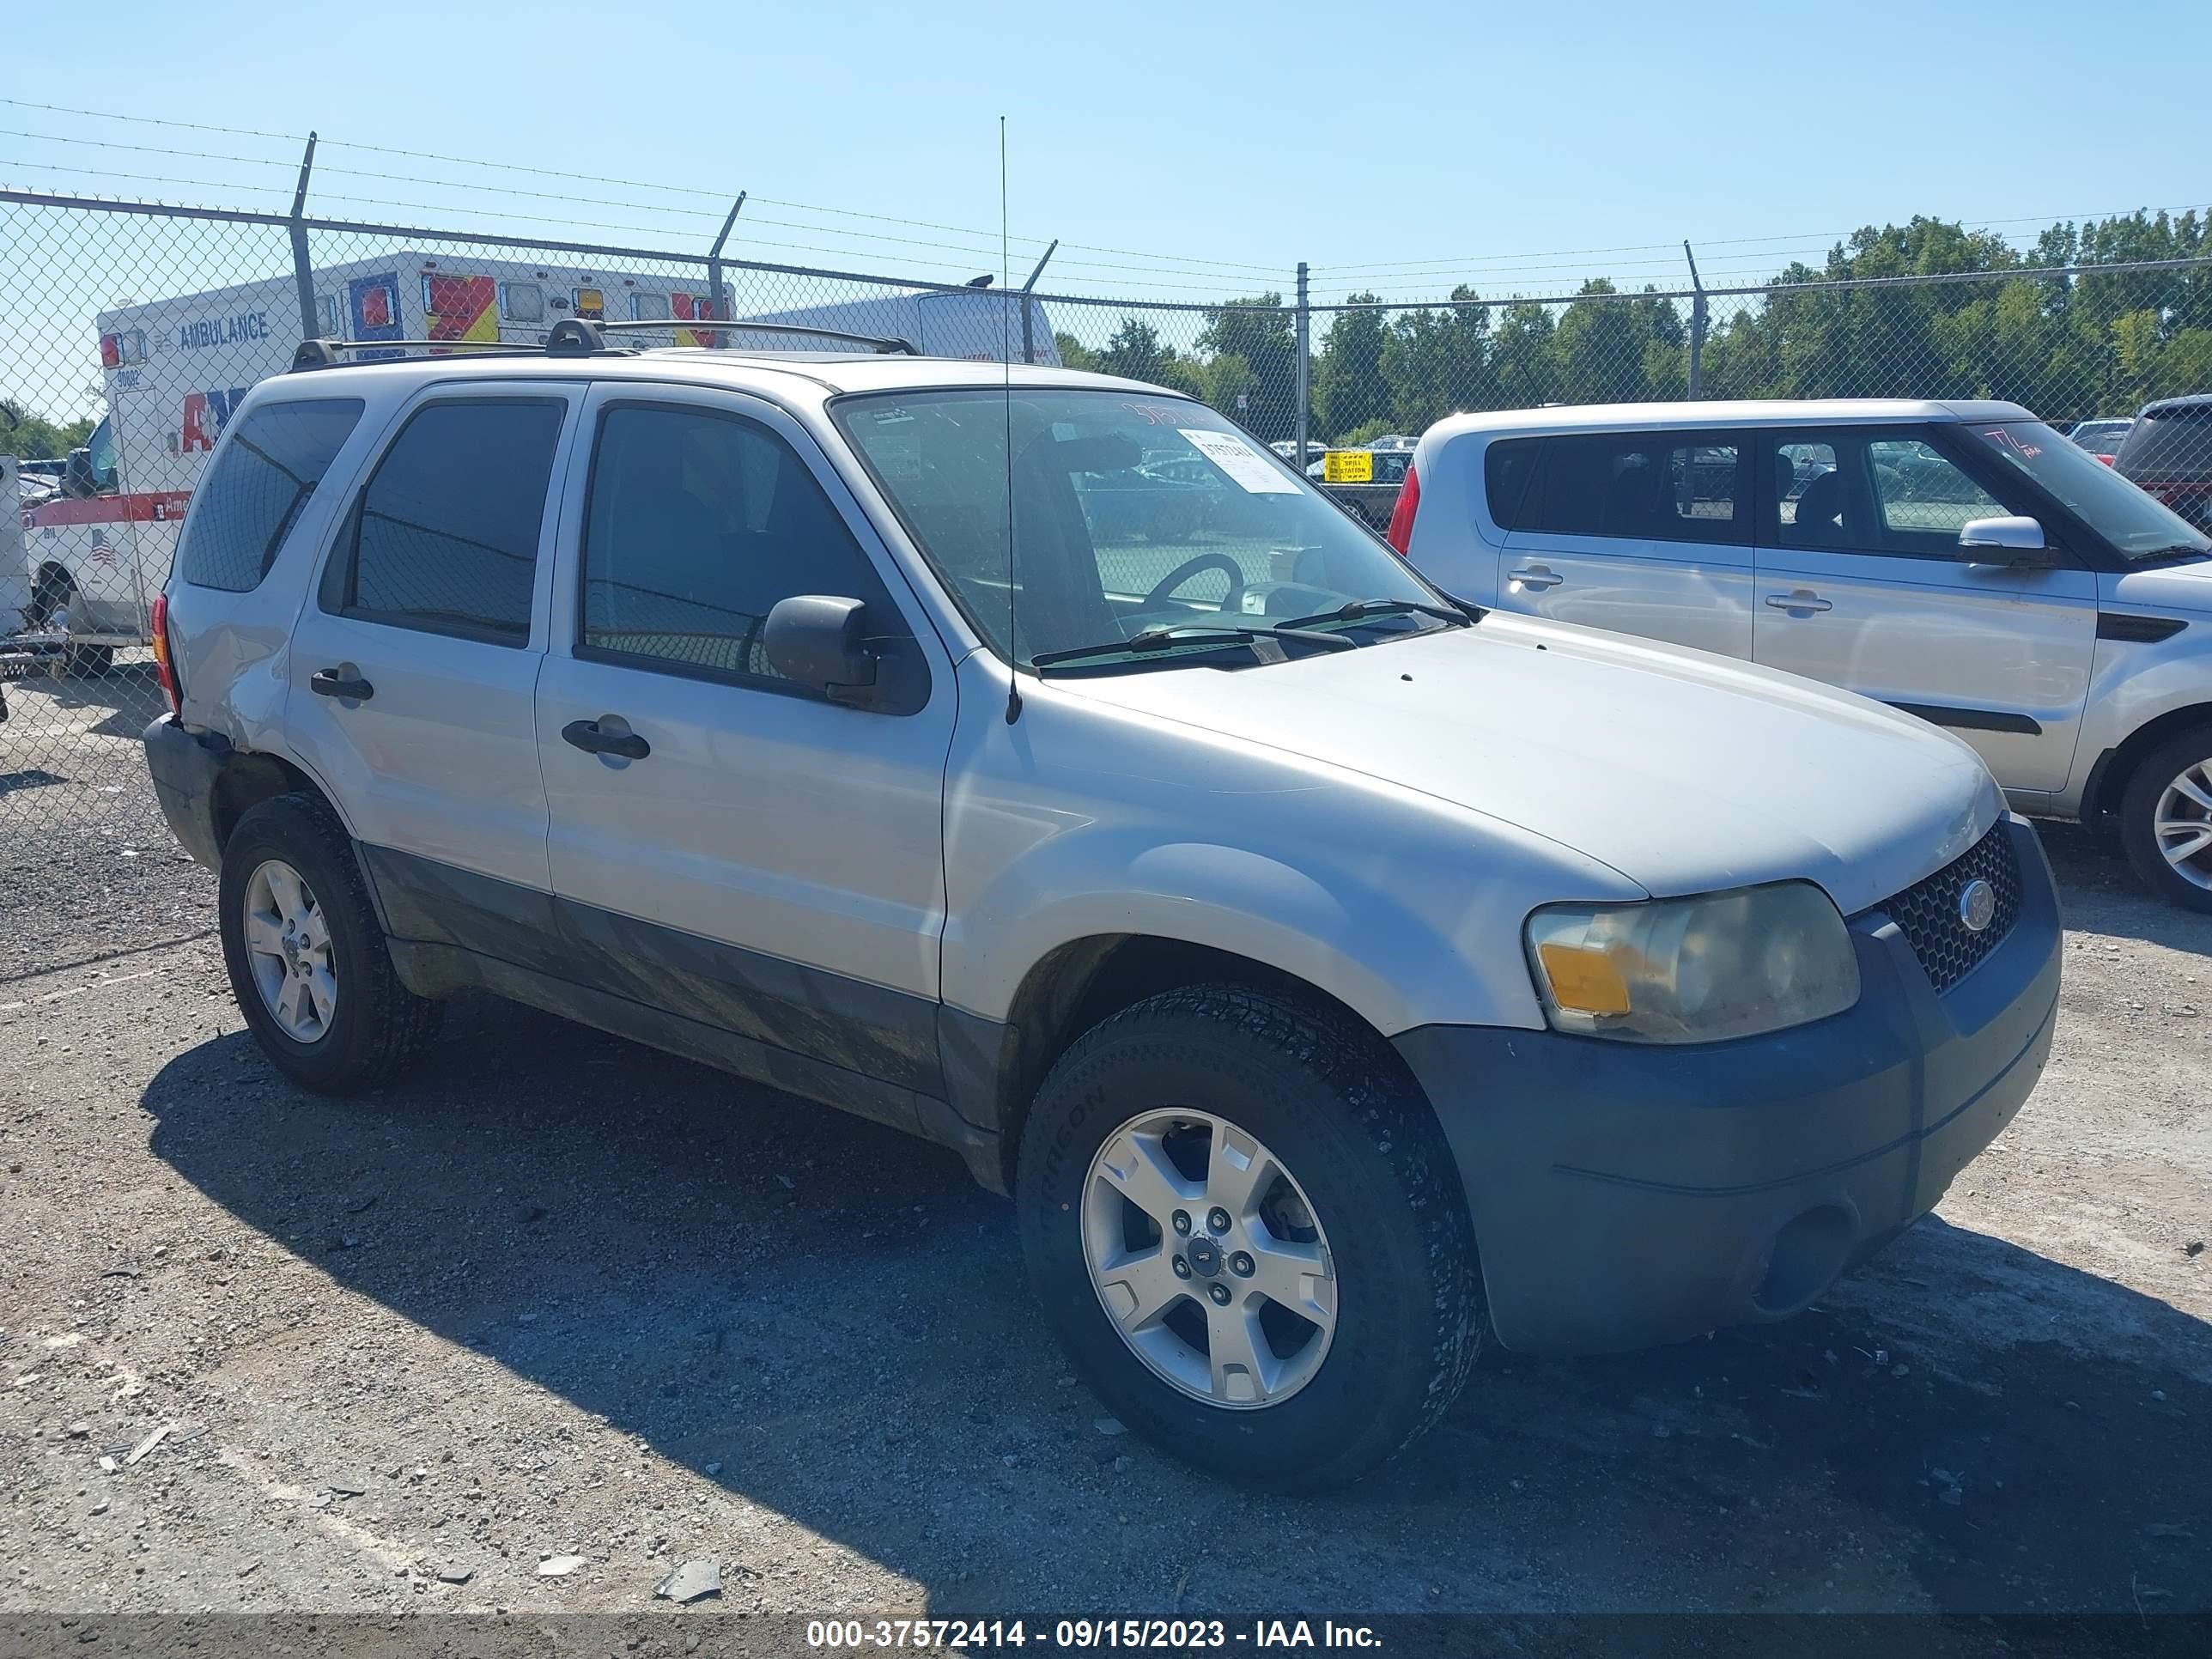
{"x": 1189, "y": 568}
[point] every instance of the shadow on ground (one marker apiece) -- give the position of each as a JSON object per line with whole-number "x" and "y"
{"x": 837, "y": 1318}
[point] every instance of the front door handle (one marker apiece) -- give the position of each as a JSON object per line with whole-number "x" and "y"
{"x": 1536, "y": 575}
{"x": 1803, "y": 599}
{"x": 593, "y": 739}
{"x": 344, "y": 683}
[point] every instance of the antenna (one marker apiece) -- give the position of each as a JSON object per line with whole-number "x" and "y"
{"x": 1006, "y": 364}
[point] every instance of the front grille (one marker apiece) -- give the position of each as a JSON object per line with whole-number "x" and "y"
{"x": 1927, "y": 913}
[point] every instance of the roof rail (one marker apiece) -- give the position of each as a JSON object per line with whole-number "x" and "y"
{"x": 324, "y": 354}
{"x": 880, "y": 343}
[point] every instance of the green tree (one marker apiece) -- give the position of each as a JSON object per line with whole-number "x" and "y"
{"x": 1349, "y": 384}
{"x": 1073, "y": 354}
{"x": 31, "y": 437}
{"x": 1133, "y": 350}
{"x": 1259, "y": 330}
{"x": 1436, "y": 362}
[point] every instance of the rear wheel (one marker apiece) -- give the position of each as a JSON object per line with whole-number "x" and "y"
{"x": 307, "y": 958}
{"x": 2166, "y": 818}
{"x": 1247, "y": 1228}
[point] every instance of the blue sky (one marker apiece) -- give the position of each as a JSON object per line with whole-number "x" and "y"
{"x": 1194, "y": 150}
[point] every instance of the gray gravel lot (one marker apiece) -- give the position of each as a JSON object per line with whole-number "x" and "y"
{"x": 559, "y": 1295}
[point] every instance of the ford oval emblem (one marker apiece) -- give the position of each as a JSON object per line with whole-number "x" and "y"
{"x": 1978, "y": 905}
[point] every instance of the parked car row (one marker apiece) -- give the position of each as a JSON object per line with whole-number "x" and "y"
{"x": 1337, "y": 974}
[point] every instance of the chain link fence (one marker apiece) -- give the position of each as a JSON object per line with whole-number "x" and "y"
{"x": 133, "y": 329}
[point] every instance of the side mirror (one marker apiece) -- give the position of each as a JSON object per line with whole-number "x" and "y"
{"x": 821, "y": 642}
{"x": 2017, "y": 542}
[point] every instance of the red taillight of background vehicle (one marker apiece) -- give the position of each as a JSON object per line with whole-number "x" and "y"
{"x": 2108, "y": 459}
{"x": 164, "y": 666}
{"x": 1401, "y": 516}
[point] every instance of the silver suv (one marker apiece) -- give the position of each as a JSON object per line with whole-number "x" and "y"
{"x": 1033, "y": 762}
{"x": 1958, "y": 561}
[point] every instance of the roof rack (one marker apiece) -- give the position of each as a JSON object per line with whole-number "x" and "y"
{"x": 885, "y": 343}
{"x": 324, "y": 354}
{"x": 580, "y": 336}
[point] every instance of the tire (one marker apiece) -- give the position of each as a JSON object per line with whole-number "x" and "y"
{"x": 375, "y": 1026}
{"x": 1366, "y": 1165}
{"x": 2183, "y": 758}
{"x": 89, "y": 661}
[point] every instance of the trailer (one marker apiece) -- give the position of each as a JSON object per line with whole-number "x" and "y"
{"x": 173, "y": 370}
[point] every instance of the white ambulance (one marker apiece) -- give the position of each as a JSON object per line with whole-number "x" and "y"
{"x": 172, "y": 370}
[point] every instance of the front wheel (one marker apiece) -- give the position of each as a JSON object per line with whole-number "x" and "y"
{"x": 1248, "y": 1231}
{"x": 2165, "y": 819}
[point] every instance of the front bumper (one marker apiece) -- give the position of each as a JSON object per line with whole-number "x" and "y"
{"x": 1625, "y": 1195}
{"x": 185, "y": 768}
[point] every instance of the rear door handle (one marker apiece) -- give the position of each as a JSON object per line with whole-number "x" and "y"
{"x": 593, "y": 739}
{"x": 1536, "y": 575}
{"x": 334, "y": 682}
{"x": 1803, "y": 599}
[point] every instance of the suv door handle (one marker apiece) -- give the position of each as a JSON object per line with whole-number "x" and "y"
{"x": 332, "y": 682}
{"x": 1536, "y": 575}
{"x": 1803, "y": 599}
{"x": 587, "y": 736}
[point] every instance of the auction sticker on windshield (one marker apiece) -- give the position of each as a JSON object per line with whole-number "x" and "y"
{"x": 1240, "y": 461}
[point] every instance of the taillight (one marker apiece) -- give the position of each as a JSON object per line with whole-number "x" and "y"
{"x": 1401, "y": 515}
{"x": 2108, "y": 459}
{"x": 164, "y": 663}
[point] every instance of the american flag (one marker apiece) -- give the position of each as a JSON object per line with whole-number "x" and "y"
{"x": 103, "y": 551}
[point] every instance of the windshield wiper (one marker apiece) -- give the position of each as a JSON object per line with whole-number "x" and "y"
{"x": 1359, "y": 610}
{"x": 1158, "y": 638}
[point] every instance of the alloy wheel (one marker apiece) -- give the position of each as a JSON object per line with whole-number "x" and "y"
{"x": 1208, "y": 1259}
{"x": 287, "y": 947}
{"x": 2182, "y": 824}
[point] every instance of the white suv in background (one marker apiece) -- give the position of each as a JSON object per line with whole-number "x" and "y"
{"x": 1958, "y": 561}
{"x": 1030, "y": 760}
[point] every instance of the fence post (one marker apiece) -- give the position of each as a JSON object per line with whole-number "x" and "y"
{"x": 719, "y": 341}
{"x": 303, "y": 271}
{"x": 1697, "y": 327}
{"x": 1305, "y": 347}
{"x": 1028, "y": 344}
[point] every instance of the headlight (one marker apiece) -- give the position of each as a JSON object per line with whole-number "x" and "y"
{"x": 1694, "y": 969}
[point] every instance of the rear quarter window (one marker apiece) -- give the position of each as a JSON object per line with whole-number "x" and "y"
{"x": 1507, "y": 466}
{"x": 256, "y": 490}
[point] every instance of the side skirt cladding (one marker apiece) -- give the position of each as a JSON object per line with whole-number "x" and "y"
{"x": 843, "y": 1042}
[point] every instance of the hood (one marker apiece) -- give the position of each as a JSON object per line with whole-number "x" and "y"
{"x": 2164, "y": 588}
{"x": 1685, "y": 772}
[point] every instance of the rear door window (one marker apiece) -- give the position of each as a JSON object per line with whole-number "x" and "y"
{"x": 256, "y": 490}
{"x": 1668, "y": 486}
{"x": 445, "y": 537}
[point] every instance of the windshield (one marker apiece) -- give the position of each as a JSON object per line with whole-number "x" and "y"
{"x": 2138, "y": 525}
{"x": 1130, "y": 516}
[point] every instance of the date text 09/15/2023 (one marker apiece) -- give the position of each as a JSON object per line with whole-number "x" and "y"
{"x": 1074, "y": 1634}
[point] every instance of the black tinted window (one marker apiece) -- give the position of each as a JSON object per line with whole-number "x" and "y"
{"x": 251, "y": 495}
{"x": 2173, "y": 443}
{"x": 1648, "y": 487}
{"x": 699, "y": 524}
{"x": 1507, "y": 465}
{"x": 446, "y": 535}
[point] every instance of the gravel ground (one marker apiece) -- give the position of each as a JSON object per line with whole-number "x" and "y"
{"x": 559, "y": 1295}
